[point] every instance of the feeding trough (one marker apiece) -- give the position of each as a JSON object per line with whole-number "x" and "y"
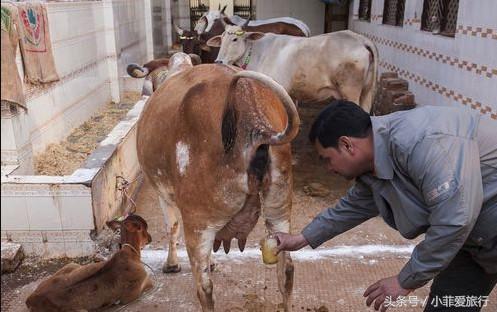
{"x": 53, "y": 216}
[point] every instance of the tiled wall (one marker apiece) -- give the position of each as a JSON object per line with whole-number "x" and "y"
{"x": 48, "y": 219}
{"x": 449, "y": 71}
{"x": 92, "y": 41}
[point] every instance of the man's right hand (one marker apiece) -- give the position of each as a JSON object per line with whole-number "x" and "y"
{"x": 290, "y": 242}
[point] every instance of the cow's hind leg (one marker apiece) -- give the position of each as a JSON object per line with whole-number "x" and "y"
{"x": 284, "y": 267}
{"x": 351, "y": 85}
{"x": 277, "y": 205}
{"x": 199, "y": 245}
{"x": 171, "y": 216}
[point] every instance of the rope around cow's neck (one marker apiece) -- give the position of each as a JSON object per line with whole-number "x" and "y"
{"x": 246, "y": 58}
{"x": 132, "y": 248}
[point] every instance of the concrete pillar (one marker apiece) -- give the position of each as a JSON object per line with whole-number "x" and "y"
{"x": 16, "y": 141}
{"x": 111, "y": 47}
{"x": 149, "y": 29}
{"x": 183, "y": 16}
{"x": 168, "y": 29}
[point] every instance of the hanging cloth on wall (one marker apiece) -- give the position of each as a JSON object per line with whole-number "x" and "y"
{"x": 11, "y": 84}
{"x": 36, "y": 46}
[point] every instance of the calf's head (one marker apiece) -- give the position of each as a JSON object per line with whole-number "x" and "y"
{"x": 133, "y": 230}
{"x": 233, "y": 44}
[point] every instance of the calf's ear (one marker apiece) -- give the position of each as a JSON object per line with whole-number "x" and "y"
{"x": 214, "y": 42}
{"x": 113, "y": 224}
{"x": 255, "y": 35}
{"x": 132, "y": 226}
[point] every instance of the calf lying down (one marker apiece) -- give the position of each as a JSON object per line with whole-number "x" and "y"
{"x": 120, "y": 279}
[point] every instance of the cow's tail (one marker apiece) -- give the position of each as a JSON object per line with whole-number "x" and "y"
{"x": 369, "y": 91}
{"x": 137, "y": 71}
{"x": 292, "y": 127}
{"x": 229, "y": 125}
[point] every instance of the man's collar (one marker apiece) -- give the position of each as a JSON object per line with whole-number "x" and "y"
{"x": 383, "y": 167}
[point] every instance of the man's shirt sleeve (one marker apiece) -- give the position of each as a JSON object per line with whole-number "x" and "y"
{"x": 353, "y": 209}
{"x": 446, "y": 170}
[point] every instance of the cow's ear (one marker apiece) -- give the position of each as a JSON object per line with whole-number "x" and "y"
{"x": 113, "y": 225}
{"x": 255, "y": 35}
{"x": 205, "y": 47}
{"x": 214, "y": 42}
{"x": 228, "y": 21}
{"x": 178, "y": 29}
{"x": 196, "y": 60}
{"x": 132, "y": 226}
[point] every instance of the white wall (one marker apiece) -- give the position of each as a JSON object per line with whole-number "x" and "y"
{"x": 310, "y": 12}
{"x": 92, "y": 42}
{"x": 459, "y": 71}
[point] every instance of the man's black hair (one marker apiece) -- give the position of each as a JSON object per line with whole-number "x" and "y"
{"x": 340, "y": 118}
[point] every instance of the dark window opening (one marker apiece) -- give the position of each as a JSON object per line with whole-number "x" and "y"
{"x": 393, "y": 12}
{"x": 440, "y": 16}
{"x": 365, "y": 10}
{"x": 244, "y": 8}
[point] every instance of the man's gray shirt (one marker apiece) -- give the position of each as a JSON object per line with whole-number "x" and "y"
{"x": 435, "y": 173}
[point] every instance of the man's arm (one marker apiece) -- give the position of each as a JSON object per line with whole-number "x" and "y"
{"x": 353, "y": 209}
{"x": 446, "y": 170}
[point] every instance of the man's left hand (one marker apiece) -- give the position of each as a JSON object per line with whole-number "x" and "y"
{"x": 387, "y": 287}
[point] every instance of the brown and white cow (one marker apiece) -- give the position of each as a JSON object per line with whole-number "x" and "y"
{"x": 339, "y": 65}
{"x": 214, "y": 142}
{"x": 122, "y": 278}
{"x": 195, "y": 43}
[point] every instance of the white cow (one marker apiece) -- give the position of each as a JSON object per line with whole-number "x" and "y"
{"x": 341, "y": 65}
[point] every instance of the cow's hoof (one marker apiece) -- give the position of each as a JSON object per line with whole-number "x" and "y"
{"x": 171, "y": 268}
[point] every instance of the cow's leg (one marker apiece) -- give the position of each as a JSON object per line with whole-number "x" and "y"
{"x": 171, "y": 216}
{"x": 352, "y": 84}
{"x": 351, "y": 92}
{"x": 199, "y": 245}
{"x": 277, "y": 209}
{"x": 366, "y": 100}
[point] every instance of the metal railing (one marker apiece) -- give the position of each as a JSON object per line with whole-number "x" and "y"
{"x": 393, "y": 12}
{"x": 440, "y": 16}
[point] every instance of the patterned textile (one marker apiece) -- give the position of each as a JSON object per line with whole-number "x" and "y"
{"x": 11, "y": 85}
{"x": 36, "y": 47}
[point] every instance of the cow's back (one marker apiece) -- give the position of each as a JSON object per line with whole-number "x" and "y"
{"x": 179, "y": 132}
{"x": 306, "y": 66}
{"x": 181, "y": 140}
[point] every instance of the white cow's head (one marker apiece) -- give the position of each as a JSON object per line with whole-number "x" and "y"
{"x": 233, "y": 44}
{"x": 205, "y": 22}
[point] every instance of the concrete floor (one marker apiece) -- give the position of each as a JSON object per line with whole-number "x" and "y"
{"x": 331, "y": 278}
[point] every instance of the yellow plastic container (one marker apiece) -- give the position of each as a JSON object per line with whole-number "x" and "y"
{"x": 268, "y": 247}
